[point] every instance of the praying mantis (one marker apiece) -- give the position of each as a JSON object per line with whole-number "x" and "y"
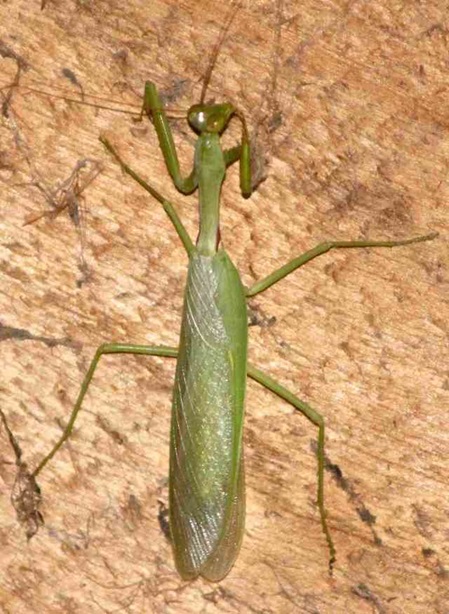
{"x": 207, "y": 501}
{"x": 215, "y": 564}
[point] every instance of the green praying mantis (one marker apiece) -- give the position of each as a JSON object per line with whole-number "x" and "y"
{"x": 206, "y": 476}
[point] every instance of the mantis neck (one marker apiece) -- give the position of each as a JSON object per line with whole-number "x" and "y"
{"x": 211, "y": 170}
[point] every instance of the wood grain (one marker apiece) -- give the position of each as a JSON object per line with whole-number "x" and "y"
{"x": 349, "y": 103}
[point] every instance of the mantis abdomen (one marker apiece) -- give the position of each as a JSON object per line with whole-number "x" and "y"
{"x": 207, "y": 503}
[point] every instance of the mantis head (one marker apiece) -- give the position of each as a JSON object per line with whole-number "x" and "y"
{"x": 210, "y": 117}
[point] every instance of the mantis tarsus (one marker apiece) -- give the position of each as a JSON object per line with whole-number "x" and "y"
{"x": 207, "y": 502}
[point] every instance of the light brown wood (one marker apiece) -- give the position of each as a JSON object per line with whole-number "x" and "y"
{"x": 350, "y": 102}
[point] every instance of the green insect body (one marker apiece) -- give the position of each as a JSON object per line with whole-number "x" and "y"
{"x": 206, "y": 459}
{"x": 207, "y": 503}
{"x": 206, "y": 485}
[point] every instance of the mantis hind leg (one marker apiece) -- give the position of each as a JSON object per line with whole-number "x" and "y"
{"x": 318, "y": 421}
{"x": 106, "y": 348}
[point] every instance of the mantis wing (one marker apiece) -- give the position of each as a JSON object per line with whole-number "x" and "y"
{"x": 206, "y": 460}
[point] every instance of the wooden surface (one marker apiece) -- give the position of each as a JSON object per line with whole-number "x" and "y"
{"x": 350, "y": 104}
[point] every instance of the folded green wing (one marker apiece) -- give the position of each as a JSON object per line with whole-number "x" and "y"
{"x": 207, "y": 501}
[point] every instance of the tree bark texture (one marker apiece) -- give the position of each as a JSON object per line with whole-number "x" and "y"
{"x": 348, "y": 104}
